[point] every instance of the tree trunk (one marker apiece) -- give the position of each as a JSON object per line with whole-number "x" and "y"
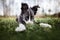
{"x": 6, "y": 8}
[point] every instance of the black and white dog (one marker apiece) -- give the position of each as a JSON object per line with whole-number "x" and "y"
{"x": 26, "y": 16}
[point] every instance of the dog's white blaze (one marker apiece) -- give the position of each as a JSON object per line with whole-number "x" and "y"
{"x": 20, "y": 28}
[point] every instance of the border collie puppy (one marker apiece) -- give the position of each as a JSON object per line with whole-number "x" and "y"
{"x": 26, "y": 16}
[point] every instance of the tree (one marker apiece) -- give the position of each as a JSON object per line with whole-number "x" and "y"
{"x": 6, "y": 8}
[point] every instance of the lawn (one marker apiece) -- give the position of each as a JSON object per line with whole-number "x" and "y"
{"x": 33, "y": 32}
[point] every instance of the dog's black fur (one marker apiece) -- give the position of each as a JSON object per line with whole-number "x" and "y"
{"x": 35, "y": 8}
{"x": 24, "y": 8}
{"x": 26, "y": 12}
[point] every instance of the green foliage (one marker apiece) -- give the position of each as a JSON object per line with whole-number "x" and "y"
{"x": 7, "y": 25}
{"x": 33, "y": 32}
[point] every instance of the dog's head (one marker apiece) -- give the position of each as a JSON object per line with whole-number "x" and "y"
{"x": 31, "y": 13}
{"x": 35, "y": 8}
{"x": 28, "y": 16}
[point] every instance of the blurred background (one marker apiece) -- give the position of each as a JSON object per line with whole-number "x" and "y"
{"x": 47, "y": 7}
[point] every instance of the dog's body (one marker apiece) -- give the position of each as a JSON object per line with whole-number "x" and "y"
{"x": 27, "y": 14}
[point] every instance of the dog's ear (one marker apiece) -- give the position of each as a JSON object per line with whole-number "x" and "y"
{"x": 35, "y": 8}
{"x": 24, "y": 6}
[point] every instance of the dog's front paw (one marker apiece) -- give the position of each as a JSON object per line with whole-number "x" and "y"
{"x": 20, "y": 28}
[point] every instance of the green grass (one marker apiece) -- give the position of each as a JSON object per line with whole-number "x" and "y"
{"x": 33, "y": 32}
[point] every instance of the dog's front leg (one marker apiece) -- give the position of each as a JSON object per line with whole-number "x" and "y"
{"x": 20, "y": 28}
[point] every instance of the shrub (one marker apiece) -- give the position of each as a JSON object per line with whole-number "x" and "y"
{"x": 7, "y": 25}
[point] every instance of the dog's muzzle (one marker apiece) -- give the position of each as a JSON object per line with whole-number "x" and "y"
{"x": 29, "y": 22}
